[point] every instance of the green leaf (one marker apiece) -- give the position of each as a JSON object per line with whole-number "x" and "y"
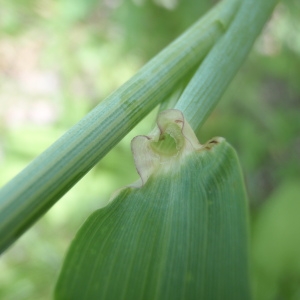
{"x": 182, "y": 235}
{"x": 276, "y": 244}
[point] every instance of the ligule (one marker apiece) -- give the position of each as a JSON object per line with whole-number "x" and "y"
{"x": 182, "y": 234}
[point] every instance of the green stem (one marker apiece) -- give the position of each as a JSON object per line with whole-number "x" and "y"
{"x": 222, "y": 63}
{"x": 31, "y": 193}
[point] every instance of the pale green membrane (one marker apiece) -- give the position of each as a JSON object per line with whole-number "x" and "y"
{"x": 183, "y": 235}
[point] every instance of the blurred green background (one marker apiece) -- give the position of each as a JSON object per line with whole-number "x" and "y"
{"x": 58, "y": 59}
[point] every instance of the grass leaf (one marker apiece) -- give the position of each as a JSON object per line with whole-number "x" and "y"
{"x": 182, "y": 235}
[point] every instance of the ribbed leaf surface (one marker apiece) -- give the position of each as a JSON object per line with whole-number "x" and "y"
{"x": 182, "y": 235}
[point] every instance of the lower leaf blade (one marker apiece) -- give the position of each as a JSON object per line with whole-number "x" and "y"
{"x": 182, "y": 235}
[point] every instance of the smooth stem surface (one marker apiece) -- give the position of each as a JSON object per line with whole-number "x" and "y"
{"x": 31, "y": 193}
{"x": 222, "y": 63}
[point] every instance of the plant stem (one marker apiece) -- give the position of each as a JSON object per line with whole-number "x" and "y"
{"x": 32, "y": 192}
{"x": 222, "y": 63}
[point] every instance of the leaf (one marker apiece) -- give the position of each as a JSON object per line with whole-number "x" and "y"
{"x": 181, "y": 235}
{"x": 276, "y": 244}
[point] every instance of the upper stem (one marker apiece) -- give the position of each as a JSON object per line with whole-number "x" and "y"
{"x": 223, "y": 61}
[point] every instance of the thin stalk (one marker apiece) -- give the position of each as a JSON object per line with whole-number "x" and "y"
{"x": 32, "y": 192}
{"x": 222, "y": 63}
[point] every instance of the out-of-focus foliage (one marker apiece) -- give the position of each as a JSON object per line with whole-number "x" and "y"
{"x": 58, "y": 59}
{"x": 276, "y": 245}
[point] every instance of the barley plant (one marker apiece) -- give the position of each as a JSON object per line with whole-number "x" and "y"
{"x": 188, "y": 227}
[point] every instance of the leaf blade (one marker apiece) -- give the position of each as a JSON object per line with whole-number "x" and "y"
{"x": 189, "y": 244}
